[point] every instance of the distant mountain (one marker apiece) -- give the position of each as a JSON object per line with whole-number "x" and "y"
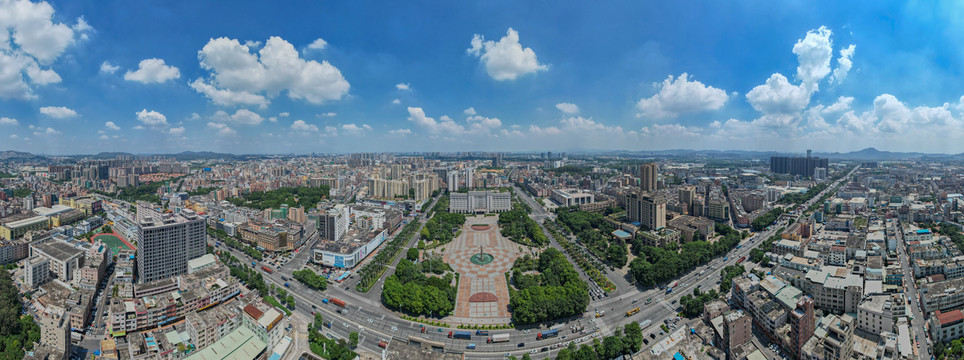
{"x": 873, "y": 154}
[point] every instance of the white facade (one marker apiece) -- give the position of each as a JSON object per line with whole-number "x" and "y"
{"x": 876, "y": 313}
{"x": 480, "y": 201}
{"x": 333, "y": 256}
{"x": 167, "y": 242}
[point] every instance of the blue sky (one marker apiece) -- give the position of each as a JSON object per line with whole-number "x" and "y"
{"x": 346, "y": 76}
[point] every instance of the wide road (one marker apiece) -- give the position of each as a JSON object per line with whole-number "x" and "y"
{"x": 913, "y": 293}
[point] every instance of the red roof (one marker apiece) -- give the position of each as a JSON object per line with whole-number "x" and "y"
{"x": 253, "y": 311}
{"x": 950, "y": 317}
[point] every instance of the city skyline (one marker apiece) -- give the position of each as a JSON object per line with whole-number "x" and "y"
{"x": 84, "y": 77}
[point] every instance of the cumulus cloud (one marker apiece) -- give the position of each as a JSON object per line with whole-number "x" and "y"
{"x": 30, "y": 39}
{"x": 471, "y": 111}
{"x": 8, "y": 121}
{"x": 400, "y": 132}
{"x": 842, "y": 104}
{"x": 396, "y": 101}
{"x": 568, "y": 108}
{"x": 677, "y": 96}
{"x": 328, "y": 114}
{"x": 479, "y": 122}
{"x": 284, "y": 114}
{"x": 47, "y": 131}
{"x": 222, "y": 128}
{"x": 844, "y": 63}
{"x": 176, "y": 130}
{"x": 58, "y": 112}
{"x": 152, "y": 71}
{"x": 111, "y": 125}
{"x": 151, "y": 118}
{"x": 505, "y": 59}
{"x": 778, "y": 96}
{"x": 108, "y": 68}
{"x": 277, "y": 67}
{"x": 301, "y": 125}
{"x": 814, "y": 52}
{"x": 318, "y": 44}
{"x": 403, "y": 86}
{"x": 355, "y": 129}
{"x": 241, "y": 116}
{"x": 445, "y": 125}
{"x": 104, "y": 137}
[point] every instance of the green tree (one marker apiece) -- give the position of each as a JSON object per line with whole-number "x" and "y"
{"x": 353, "y": 340}
{"x": 411, "y": 254}
{"x": 319, "y": 321}
{"x": 526, "y": 356}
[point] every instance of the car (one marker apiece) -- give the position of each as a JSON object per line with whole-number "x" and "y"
{"x": 653, "y": 336}
{"x": 522, "y": 344}
{"x": 544, "y": 349}
{"x": 533, "y": 351}
{"x": 646, "y": 341}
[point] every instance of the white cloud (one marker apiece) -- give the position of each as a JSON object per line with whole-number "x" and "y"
{"x": 139, "y": 127}
{"x": 111, "y": 125}
{"x": 252, "y": 44}
{"x": 58, "y": 112}
{"x": 479, "y": 121}
{"x": 108, "y": 68}
{"x": 152, "y": 118}
{"x": 226, "y": 97}
{"x": 778, "y": 96}
{"x": 47, "y": 131}
{"x": 104, "y": 137}
{"x": 152, "y": 71}
{"x": 568, "y": 108}
{"x": 400, "y": 132}
{"x": 241, "y": 116}
{"x": 396, "y": 101}
{"x": 677, "y": 96}
{"x": 273, "y": 119}
{"x": 355, "y": 129}
{"x": 301, "y": 125}
{"x": 194, "y": 117}
{"x": 284, "y": 114}
{"x": 551, "y": 130}
{"x": 505, "y": 59}
{"x": 328, "y": 114}
{"x": 318, "y": 44}
{"x": 842, "y": 104}
{"x": 177, "y": 130}
{"x": 471, "y": 111}
{"x": 844, "y": 63}
{"x": 14, "y": 136}
{"x": 330, "y": 131}
{"x": 403, "y": 87}
{"x": 8, "y": 121}
{"x": 29, "y": 38}
{"x": 814, "y": 52}
{"x": 275, "y": 68}
{"x": 223, "y": 129}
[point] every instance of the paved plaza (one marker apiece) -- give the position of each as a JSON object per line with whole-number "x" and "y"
{"x": 483, "y": 296}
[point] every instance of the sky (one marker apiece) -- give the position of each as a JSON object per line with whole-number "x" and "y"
{"x": 86, "y": 76}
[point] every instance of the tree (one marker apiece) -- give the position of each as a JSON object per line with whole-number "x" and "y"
{"x": 411, "y": 254}
{"x": 526, "y": 356}
{"x": 697, "y": 235}
{"x": 291, "y": 302}
{"x": 319, "y": 322}
{"x": 353, "y": 340}
{"x": 113, "y": 292}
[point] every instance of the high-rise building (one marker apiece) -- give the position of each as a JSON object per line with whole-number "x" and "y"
{"x": 453, "y": 181}
{"x": 737, "y": 328}
{"x": 469, "y": 177}
{"x": 333, "y": 224}
{"x": 687, "y": 195}
{"x": 647, "y": 177}
{"x": 167, "y": 242}
{"x": 396, "y": 171}
{"x": 803, "y": 166}
{"x": 802, "y": 324}
{"x": 647, "y": 209}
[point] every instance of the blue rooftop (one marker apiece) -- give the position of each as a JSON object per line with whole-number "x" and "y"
{"x": 678, "y": 356}
{"x": 621, "y": 234}
{"x": 924, "y": 231}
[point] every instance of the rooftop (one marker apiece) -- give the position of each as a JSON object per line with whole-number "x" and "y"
{"x": 59, "y": 250}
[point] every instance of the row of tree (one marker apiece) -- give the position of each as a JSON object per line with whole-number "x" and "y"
{"x": 330, "y": 349}
{"x": 693, "y": 305}
{"x": 373, "y": 270}
{"x": 758, "y": 253}
{"x": 727, "y": 275}
{"x": 762, "y": 221}
{"x": 625, "y": 341}
{"x": 516, "y": 225}
{"x": 235, "y": 243}
{"x": 656, "y": 265}
{"x": 411, "y": 291}
{"x": 593, "y": 230}
{"x": 312, "y": 280}
{"x": 800, "y": 198}
{"x": 558, "y": 293}
{"x": 301, "y": 196}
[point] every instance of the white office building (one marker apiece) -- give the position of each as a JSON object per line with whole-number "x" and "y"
{"x": 480, "y": 202}
{"x": 167, "y": 242}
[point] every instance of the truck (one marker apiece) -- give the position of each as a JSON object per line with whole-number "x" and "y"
{"x": 266, "y": 269}
{"x": 547, "y": 334}
{"x": 465, "y": 335}
{"x": 254, "y": 264}
{"x": 675, "y": 283}
{"x": 471, "y": 346}
{"x": 725, "y": 258}
{"x": 336, "y": 302}
{"x": 741, "y": 259}
{"x": 287, "y": 285}
{"x": 497, "y": 338}
{"x": 632, "y": 312}
{"x": 324, "y": 301}
{"x": 382, "y": 344}
{"x": 644, "y": 324}
{"x": 482, "y": 332}
{"x": 669, "y": 290}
